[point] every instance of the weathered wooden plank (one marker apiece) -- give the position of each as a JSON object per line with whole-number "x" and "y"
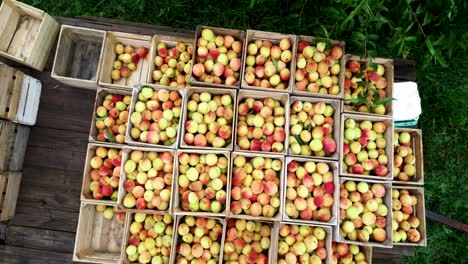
{"x": 58, "y": 139}
{"x": 3, "y": 228}
{"x": 53, "y": 198}
{"x": 31, "y": 215}
{"x": 55, "y": 158}
{"x": 20, "y": 255}
{"x": 53, "y": 178}
{"x": 36, "y": 238}
{"x": 447, "y": 221}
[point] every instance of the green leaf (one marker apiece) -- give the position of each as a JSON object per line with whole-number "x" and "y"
{"x": 358, "y": 36}
{"x": 252, "y": 3}
{"x": 227, "y": 143}
{"x": 410, "y": 39}
{"x": 299, "y": 140}
{"x": 100, "y": 118}
{"x": 325, "y": 31}
{"x": 354, "y": 100}
{"x": 275, "y": 63}
{"x": 435, "y": 54}
{"x": 383, "y": 101}
{"x": 309, "y": 127}
{"x": 374, "y": 66}
{"x": 109, "y": 136}
{"x": 354, "y": 12}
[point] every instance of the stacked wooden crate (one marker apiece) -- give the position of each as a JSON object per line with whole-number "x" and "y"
{"x": 18, "y": 110}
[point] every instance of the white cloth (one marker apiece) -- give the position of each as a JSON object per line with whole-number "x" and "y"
{"x": 407, "y": 103}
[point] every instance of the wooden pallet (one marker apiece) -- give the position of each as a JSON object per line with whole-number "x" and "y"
{"x": 20, "y": 96}
{"x": 9, "y": 189}
{"x": 13, "y": 143}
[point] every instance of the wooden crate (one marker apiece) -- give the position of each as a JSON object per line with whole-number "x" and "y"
{"x": 366, "y": 250}
{"x": 278, "y": 216}
{"x": 419, "y": 210}
{"x": 109, "y": 56}
{"x": 189, "y": 92}
{"x": 170, "y": 42}
{"x": 128, "y": 221}
{"x": 387, "y": 200}
{"x": 258, "y": 95}
{"x": 176, "y": 204}
{"x": 13, "y": 144}
{"x": 313, "y": 41}
{"x": 238, "y": 35}
{"x": 128, "y": 138}
{"x": 275, "y": 38}
{"x": 336, "y": 125}
{"x": 388, "y": 135}
{"x": 177, "y": 240}
{"x": 123, "y": 178}
{"x": 417, "y": 146}
{"x": 100, "y": 96}
{"x": 273, "y": 238}
{"x": 336, "y": 194}
{"x": 98, "y": 240}
{"x": 27, "y": 35}
{"x": 328, "y": 240}
{"x": 20, "y": 96}
{"x": 78, "y": 56}
{"x": 86, "y": 194}
{"x": 389, "y": 76}
{"x": 9, "y": 190}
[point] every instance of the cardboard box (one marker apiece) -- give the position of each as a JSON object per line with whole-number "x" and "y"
{"x": 275, "y": 38}
{"x": 387, "y": 201}
{"x": 123, "y": 177}
{"x": 27, "y": 34}
{"x": 238, "y": 35}
{"x": 419, "y": 210}
{"x": 100, "y": 97}
{"x": 128, "y": 138}
{"x": 313, "y": 41}
{"x": 170, "y": 42}
{"x": 388, "y": 135}
{"x": 260, "y": 95}
{"x": 109, "y": 56}
{"x": 328, "y": 239}
{"x": 86, "y": 194}
{"x": 126, "y": 235}
{"x": 78, "y": 56}
{"x": 280, "y": 174}
{"x": 389, "y": 73}
{"x": 335, "y": 127}
{"x": 336, "y": 194}
{"x": 21, "y": 93}
{"x": 178, "y": 240}
{"x": 98, "y": 240}
{"x": 177, "y": 207}
{"x": 417, "y": 147}
{"x": 189, "y": 92}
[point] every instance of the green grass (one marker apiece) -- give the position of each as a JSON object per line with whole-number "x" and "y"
{"x": 394, "y": 33}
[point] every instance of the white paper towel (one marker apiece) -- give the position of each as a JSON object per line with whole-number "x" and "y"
{"x": 407, "y": 103}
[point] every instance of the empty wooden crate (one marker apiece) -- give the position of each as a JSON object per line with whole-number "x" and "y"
{"x": 9, "y": 189}
{"x": 13, "y": 143}
{"x": 20, "y": 95}
{"x": 26, "y": 34}
{"x": 78, "y": 56}
{"x": 99, "y": 235}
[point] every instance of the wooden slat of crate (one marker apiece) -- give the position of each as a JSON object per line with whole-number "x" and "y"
{"x": 9, "y": 189}
{"x": 20, "y": 96}
{"x": 28, "y": 35}
{"x": 78, "y": 56}
{"x": 13, "y": 143}
{"x": 98, "y": 240}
